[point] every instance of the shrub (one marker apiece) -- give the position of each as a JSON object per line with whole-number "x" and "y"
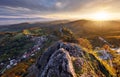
{"x": 85, "y": 43}
{"x": 67, "y": 35}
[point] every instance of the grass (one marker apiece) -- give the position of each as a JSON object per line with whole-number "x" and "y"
{"x": 103, "y": 63}
{"x": 19, "y": 70}
{"x": 96, "y": 64}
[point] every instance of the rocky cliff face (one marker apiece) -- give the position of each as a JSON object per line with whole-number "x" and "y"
{"x": 59, "y": 65}
{"x": 67, "y": 60}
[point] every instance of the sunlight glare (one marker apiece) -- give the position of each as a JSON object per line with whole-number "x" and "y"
{"x": 101, "y": 16}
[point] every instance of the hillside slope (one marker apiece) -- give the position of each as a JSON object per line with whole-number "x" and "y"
{"x": 76, "y": 55}
{"x": 80, "y": 27}
{"x": 68, "y": 60}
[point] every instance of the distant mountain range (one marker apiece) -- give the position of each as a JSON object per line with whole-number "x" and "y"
{"x": 80, "y": 27}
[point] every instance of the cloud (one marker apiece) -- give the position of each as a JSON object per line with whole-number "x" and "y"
{"x": 28, "y": 8}
{"x": 59, "y": 5}
{"x": 45, "y": 5}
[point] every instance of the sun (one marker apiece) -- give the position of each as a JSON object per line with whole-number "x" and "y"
{"x": 101, "y": 16}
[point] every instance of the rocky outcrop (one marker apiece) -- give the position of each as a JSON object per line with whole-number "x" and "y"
{"x": 59, "y": 65}
{"x": 56, "y": 62}
{"x": 67, "y": 60}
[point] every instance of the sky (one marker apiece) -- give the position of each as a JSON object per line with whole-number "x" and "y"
{"x": 16, "y": 11}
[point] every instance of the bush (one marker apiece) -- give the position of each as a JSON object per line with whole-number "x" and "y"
{"x": 85, "y": 43}
{"x": 66, "y": 35}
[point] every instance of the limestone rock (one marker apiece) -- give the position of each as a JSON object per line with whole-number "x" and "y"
{"x": 67, "y": 60}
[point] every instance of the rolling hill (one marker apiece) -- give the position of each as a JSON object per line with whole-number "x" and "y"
{"x": 30, "y": 44}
